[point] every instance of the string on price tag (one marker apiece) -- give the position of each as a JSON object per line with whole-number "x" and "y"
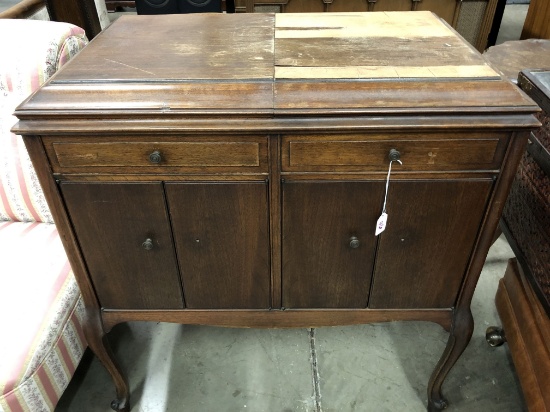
{"x": 383, "y": 219}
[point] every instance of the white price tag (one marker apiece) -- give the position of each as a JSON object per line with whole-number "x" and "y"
{"x": 381, "y": 224}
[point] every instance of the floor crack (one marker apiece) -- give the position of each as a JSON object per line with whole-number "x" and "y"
{"x": 315, "y": 371}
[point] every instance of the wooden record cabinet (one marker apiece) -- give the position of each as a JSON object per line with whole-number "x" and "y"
{"x": 232, "y": 173}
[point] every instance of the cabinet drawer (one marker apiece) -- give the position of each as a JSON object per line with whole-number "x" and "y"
{"x": 437, "y": 152}
{"x": 143, "y": 155}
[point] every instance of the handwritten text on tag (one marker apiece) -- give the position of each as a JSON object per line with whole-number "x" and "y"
{"x": 381, "y": 224}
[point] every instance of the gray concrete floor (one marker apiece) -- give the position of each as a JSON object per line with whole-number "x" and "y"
{"x": 378, "y": 367}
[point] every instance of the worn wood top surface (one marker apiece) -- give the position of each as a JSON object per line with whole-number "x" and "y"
{"x": 511, "y": 57}
{"x": 284, "y": 63}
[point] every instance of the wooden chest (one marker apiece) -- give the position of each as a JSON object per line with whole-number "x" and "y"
{"x": 230, "y": 170}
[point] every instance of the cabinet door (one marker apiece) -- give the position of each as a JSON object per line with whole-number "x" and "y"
{"x": 124, "y": 232}
{"x": 425, "y": 249}
{"x": 221, "y": 232}
{"x": 329, "y": 243}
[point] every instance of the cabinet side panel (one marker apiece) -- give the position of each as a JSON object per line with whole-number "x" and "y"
{"x": 114, "y": 222}
{"x": 329, "y": 243}
{"x": 424, "y": 251}
{"x": 221, "y": 232}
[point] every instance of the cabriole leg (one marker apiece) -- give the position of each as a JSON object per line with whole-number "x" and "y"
{"x": 100, "y": 346}
{"x": 461, "y": 333}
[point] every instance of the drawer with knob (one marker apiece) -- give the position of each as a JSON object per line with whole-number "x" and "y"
{"x": 372, "y": 152}
{"x": 187, "y": 154}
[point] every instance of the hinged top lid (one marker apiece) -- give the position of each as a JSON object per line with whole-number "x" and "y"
{"x": 271, "y": 65}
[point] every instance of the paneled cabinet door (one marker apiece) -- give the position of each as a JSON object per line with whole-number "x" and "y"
{"x": 221, "y": 232}
{"x": 124, "y": 233}
{"x": 424, "y": 251}
{"x": 329, "y": 243}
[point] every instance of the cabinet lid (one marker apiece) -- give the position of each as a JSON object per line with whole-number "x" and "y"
{"x": 267, "y": 65}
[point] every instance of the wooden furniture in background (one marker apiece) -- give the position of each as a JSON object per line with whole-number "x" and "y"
{"x": 537, "y": 21}
{"x": 527, "y": 328}
{"x": 526, "y": 217}
{"x": 523, "y": 297}
{"x": 511, "y": 57}
{"x": 237, "y": 180}
{"x": 473, "y": 19}
{"x": 82, "y": 13}
{"x": 22, "y": 10}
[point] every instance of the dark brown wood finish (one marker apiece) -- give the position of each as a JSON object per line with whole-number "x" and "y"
{"x": 294, "y": 97}
{"x": 82, "y": 13}
{"x": 189, "y": 154}
{"x": 527, "y": 328}
{"x": 275, "y": 224}
{"x": 275, "y": 166}
{"x": 427, "y": 243}
{"x": 288, "y": 318}
{"x": 369, "y": 152}
{"x": 463, "y": 322}
{"x": 221, "y": 236}
{"x": 329, "y": 243}
{"x": 92, "y": 324}
{"x": 114, "y": 217}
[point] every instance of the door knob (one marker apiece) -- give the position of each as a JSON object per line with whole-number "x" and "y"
{"x": 354, "y": 242}
{"x": 147, "y": 245}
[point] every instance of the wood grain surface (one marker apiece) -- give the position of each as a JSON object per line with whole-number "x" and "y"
{"x": 427, "y": 243}
{"x": 203, "y": 46}
{"x": 113, "y": 223}
{"x": 320, "y": 268}
{"x": 266, "y": 64}
{"x": 221, "y": 233}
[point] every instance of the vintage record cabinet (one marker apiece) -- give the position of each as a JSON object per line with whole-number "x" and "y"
{"x": 230, "y": 170}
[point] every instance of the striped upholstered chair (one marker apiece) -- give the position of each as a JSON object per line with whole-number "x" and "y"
{"x": 41, "y": 339}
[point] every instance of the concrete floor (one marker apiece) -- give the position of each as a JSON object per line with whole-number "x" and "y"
{"x": 379, "y": 367}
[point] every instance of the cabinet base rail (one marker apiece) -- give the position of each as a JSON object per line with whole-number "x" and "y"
{"x": 277, "y": 318}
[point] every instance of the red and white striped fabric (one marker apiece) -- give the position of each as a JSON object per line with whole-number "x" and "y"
{"x": 42, "y": 316}
{"x": 41, "y": 312}
{"x": 31, "y": 51}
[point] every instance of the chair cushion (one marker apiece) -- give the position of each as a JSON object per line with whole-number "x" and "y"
{"x": 31, "y": 51}
{"x": 41, "y": 314}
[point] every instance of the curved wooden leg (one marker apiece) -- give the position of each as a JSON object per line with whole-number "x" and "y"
{"x": 461, "y": 333}
{"x": 100, "y": 346}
